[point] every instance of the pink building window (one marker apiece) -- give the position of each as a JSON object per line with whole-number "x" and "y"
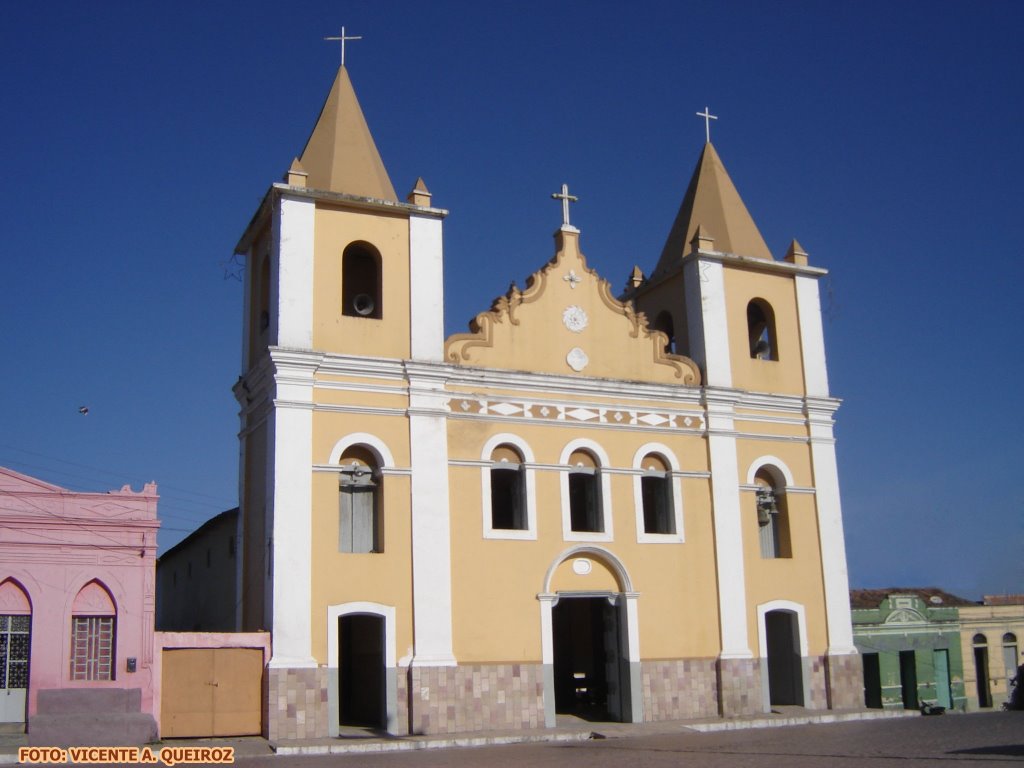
{"x": 92, "y": 648}
{"x": 93, "y": 634}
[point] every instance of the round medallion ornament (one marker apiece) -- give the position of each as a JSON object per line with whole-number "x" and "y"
{"x": 575, "y": 318}
{"x": 577, "y": 359}
{"x": 581, "y": 566}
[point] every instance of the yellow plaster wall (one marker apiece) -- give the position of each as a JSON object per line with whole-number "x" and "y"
{"x": 797, "y": 578}
{"x": 336, "y": 228}
{"x": 496, "y": 582}
{"x": 382, "y": 577}
{"x": 784, "y": 375}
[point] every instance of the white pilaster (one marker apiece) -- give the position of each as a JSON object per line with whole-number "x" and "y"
{"x": 426, "y": 288}
{"x": 291, "y": 291}
{"x": 706, "y": 319}
{"x": 725, "y": 499}
{"x": 290, "y": 509}
{"x": 812, "y": 338}
{"x": 830, "y": 527}
{"x": 431, "y": 533}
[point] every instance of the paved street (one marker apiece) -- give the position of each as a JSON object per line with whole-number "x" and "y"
{"x": 947, "y": 741}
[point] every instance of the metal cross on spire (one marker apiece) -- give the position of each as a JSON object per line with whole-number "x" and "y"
{"x": 708, "y": 117}
{"x": 343, "y": 37}
{"x": 566, "y": 198}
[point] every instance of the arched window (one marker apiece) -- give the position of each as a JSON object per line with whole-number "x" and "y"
{"x": 361, "y": 281}
{"x": 664, "y": 324}
{"x": 761, "y": 330}
{"x": 980, "y": 639}
{"x": 508, "y": 489}
{"x": 93, "y": 634}
{"x": 585, "y": 514}
{"x": 656, "y": 490}
{"x": 360, "y": 513}
{"x": 1010, "y": 659}
{"x": 15, "y": 642}
{"x": 772, "y": 518}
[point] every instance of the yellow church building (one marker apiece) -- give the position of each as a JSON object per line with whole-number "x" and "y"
{"x": 615, "y": 507}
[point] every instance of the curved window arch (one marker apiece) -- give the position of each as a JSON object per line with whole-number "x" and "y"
{"x": 508, "y": 489}
{"x": 979, "y": 639}
{"x": 772, "y": 514}
{"x": 657, "y": 495}
{"x": 586, "y": 493}
{"x": 761, "y": 330}
{"x": 360, "y": 527}
{"x": 508, "y": 485}
{"x": 93, "y": 633}
{"x": 15, "y": 642}
{"x": 361, "y": 281}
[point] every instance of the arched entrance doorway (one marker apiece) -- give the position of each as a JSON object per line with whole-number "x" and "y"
{"x": 590, "y": 638}
{"x": 361, "y": 677}
{"x": 588, "y": 660}
{"x": 782, "y": 626}
{"x": 15, "y": 645}
{"x": 785, "y": 673}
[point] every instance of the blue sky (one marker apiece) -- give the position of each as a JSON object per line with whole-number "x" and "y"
{"x": 138, "y": 139}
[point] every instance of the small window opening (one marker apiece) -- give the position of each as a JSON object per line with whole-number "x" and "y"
{"x": 761, "y": 330}
{"x": 656, "y": 491}
{"x": 508, "y": 490}
{"x": 664, "y": 324}
{"x": 360, "y": 507}
{"x": 585, "y": 494}
{"x": 772, "y": 519}
{"x": 361, "y": 281}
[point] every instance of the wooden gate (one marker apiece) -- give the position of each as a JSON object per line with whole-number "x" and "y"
{"x": 211, "y": 692}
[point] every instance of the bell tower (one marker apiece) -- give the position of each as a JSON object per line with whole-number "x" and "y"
{"x": 343, "y": 281}
{"x": 753, "y": 325}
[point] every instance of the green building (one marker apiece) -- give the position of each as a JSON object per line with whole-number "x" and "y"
{"x": 909, "y": 640}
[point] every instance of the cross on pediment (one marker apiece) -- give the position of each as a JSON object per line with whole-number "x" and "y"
{"x": 566, "y": 198}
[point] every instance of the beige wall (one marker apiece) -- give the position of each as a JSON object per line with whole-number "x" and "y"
{"x": 336, "y": 228}
{"x": 784, "y": 375}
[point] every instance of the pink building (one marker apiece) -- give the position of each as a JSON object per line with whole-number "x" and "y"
{"x": 77, "y": 598}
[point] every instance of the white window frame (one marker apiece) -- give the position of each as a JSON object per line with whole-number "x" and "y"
{"x": 676, "y": 485}
{"x": 489, "y": 531}
{"x": 568, "y": 534}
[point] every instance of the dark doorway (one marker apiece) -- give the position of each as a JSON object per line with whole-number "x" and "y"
{"x": 361, "y": 677}
{"x": 588, "y": 666}
{"x": 872, "y": 681}
{"x": 785, "y": 667}
{"x": 908, "y": 679}
{"x": 981, "y": 670}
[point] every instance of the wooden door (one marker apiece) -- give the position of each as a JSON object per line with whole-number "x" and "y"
{"x": 211, "y": 692}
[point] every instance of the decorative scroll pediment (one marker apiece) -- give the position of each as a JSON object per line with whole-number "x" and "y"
{"x": 905, "y": 616}
{"x": 567, "y": 321}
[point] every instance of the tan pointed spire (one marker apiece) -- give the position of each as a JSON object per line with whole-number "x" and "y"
{"x": 340, "y": 155}
{"x": 796, "y": 254}
{"x": 712, "y": 202}
{"x": 419, "y": 195}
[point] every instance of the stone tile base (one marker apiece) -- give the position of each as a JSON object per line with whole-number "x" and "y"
{"x": 817, "y": 684}
{"x": 475, "y": 697}
{"x": 295, "y": 702}
{"x": 739, "y": 687}
{"x": 845, "y": 681}
{"x": 679, "y": 689}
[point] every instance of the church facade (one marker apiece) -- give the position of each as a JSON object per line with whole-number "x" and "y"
{"x": 616, "y": 507}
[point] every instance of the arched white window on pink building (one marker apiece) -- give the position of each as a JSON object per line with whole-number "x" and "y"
{"x": 93, "y": 634}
